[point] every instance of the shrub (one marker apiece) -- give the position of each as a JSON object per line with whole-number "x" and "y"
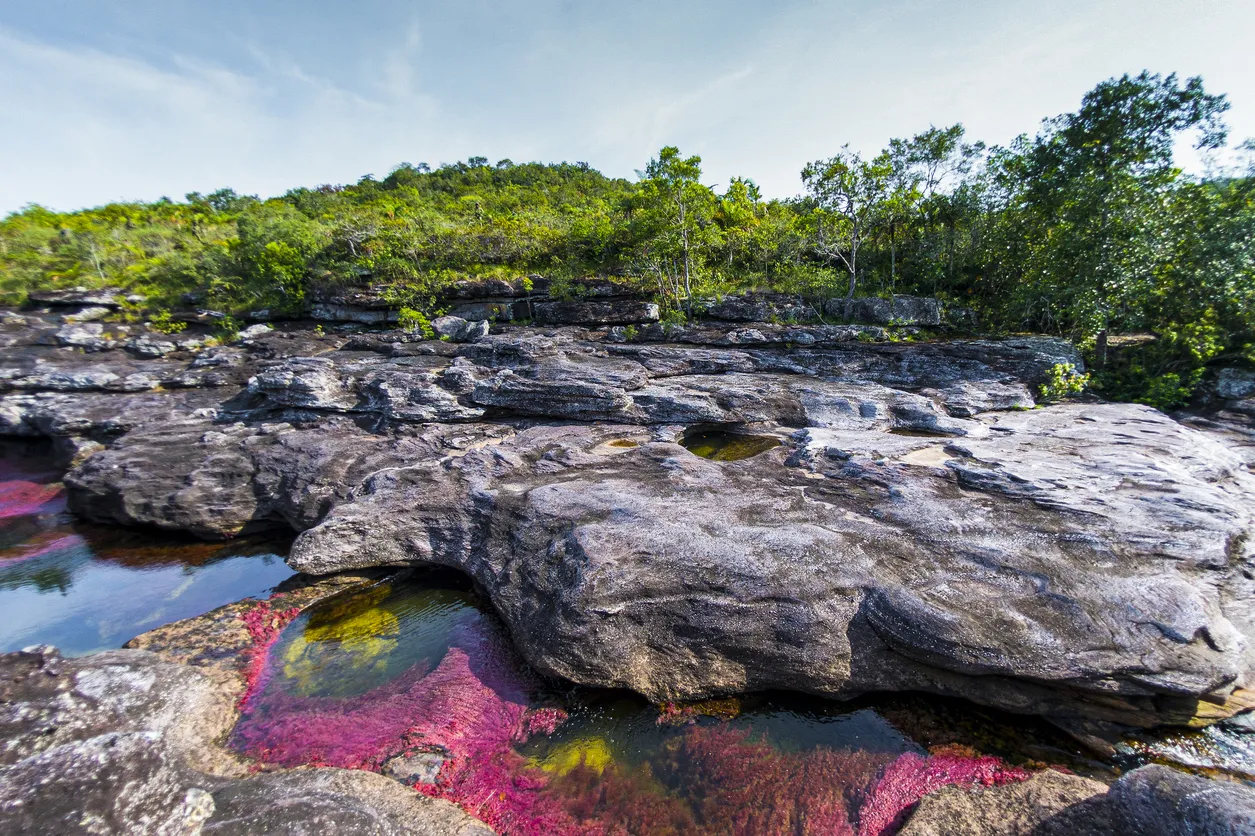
{"x": 415, "y": 321}
{"x": 1062, "y": 381}
{"x": 162, "y": 323}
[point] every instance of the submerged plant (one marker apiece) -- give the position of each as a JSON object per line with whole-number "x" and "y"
{"x": 478, "y": 704}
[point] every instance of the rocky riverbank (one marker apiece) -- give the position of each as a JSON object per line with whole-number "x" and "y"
{"x": 917, "y": 522}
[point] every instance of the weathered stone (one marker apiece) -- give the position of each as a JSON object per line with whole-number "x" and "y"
{"x": 1235, "y": 384}
{"x": 1016, "y": 809}
{"x": 919, "y": 529}
{"x": 609, "y": 312}
{"x": 252, "y": 332}
{"x": 105, "y": 297}
{"x": 123, "y": 742}
{"x": 889, "y": 566}
{"x": 88, "y": 314}
{"x": 900, "y": 310}
{"x": 1158, "y": 801}
{"x": 459, "y": 330}
{"x": 148, "y": 345}
{"x": 327, "y": 312}
{"x": 760, "y": 307}
{"x": 88, "y": 336}
{"x": 334, "y": 801}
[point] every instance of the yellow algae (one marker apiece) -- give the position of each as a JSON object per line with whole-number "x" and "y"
{"x": 593, "y": 752}
{"x": 356, "y": 634}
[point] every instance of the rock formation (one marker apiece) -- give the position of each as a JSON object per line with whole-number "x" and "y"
{"x": 920, "y": 526}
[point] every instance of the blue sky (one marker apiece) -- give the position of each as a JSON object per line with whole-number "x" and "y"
{"x": 107, "y": 101}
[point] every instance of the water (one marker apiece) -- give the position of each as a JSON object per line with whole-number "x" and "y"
{"x": 417, "y": 679}
{"x": 723, "y": 446}
{"x": 86, "y": 588}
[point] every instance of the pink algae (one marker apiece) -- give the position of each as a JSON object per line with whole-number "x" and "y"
{"x": 264, "y": 623}
{"x": 21, "y": 498}
{"x": 911, "y": 777}
{"x": 473, "y": 707}
{"x": 41, "y": 546}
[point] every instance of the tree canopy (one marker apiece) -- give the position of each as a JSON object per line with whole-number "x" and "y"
{"x": 1085, "y": 228}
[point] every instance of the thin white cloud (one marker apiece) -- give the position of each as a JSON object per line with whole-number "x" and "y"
{"x": 96, "y": 127}
{"x": 756, "y": 89}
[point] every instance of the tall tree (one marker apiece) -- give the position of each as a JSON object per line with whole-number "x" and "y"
{"x": 1095, "y": 181}
{"x": 675, "y": 215}
{"x": 847, "y": 194}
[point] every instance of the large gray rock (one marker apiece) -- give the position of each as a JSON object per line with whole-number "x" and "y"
{"x": 123, "y": 742}
{"x": 1158, "y": 801}
{"x": 329, "y": 312}
{"x": 900, "y": 310}
{"x": 337, "y": 801}
{"x": 598, "y": 312}
{"x": 877, "y": 561}
{"x": 105, "y": 297}
{"x": 760, "y": 307}
{"x": 1016, "y": 809}
{"x": 460, "y": 330}
{"x": 920, "y": 528}
{"x": 1235, "y": 384}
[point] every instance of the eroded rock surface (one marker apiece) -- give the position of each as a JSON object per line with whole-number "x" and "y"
{"x": 1150, "y": 801}
{"x": 921, "y": 527}
{"x": 126, "y": 742}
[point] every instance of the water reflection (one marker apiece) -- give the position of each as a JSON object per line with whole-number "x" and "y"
{"x": 86, "y": 588}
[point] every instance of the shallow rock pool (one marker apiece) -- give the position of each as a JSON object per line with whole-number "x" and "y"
{"x": 85, "y": 588}
{"x": 416, "y": 679}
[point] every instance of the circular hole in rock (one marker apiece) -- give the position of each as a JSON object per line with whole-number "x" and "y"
{"x": 724, "y": 446}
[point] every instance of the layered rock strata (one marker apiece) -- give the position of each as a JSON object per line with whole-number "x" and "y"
{"x": 920, "y": 527}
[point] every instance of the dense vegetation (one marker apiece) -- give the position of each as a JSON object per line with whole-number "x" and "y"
{"x": 1085, "y": 229}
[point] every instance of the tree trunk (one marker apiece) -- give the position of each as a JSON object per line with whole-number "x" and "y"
{"x": 893, "y": 258}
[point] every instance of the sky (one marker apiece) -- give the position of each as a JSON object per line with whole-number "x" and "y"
{"x": 150, "y": 98}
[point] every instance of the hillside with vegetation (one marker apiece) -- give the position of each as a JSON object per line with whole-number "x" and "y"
{"x": 1085, "y": 229}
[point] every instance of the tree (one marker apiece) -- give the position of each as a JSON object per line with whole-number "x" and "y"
{"x": 848, "y": 193}
{"x": 924, "y": 170}
{"x": 674, "y": 216}
{"x": 1094, "y": 184}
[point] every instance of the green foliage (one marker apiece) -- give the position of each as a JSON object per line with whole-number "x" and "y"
{"x": 1085, "y": 230}
{"x": 414, "y": 321}
{"x": 673, "y": 225}
{"x": 162, "y": 323}
{"x": 227, "y": 328}
{"x": 1063, "y": 380}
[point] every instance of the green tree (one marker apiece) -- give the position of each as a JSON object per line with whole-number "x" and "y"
{"x": 848, "y": 195}
{"x": 1092, "y": 187}
{"x": 675, "y": 219}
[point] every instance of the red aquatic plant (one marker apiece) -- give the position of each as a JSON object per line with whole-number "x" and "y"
{"x": 474, "y": 706}
{"x": 41, "y": 545}
{"x": 620, "y": 801}
{"x": 20, "y": 498}
{"x": 264, "y": 623}
{"x": 739, "y": 784}
{"x": 912, "y": 776}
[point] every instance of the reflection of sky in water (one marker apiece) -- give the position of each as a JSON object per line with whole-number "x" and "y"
{"x": 84, "y": 588}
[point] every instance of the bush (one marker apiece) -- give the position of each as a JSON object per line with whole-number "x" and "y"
{"x": 161, "y": 322}
{"x": 415, "y": 321}
{"x": 1062, "y": 381}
